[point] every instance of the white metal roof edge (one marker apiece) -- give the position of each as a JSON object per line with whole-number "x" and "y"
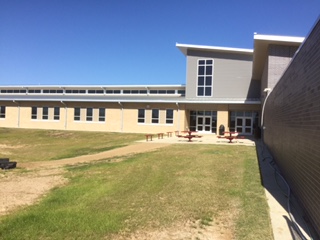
{"x": 278, "y": 38}
{"x": 92, "y": 86}
{"x": 242, "y": 101}
{"x": 212, "y": 48}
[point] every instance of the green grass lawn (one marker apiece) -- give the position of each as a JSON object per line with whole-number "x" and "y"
{"x": 26, "y": 145}
{"x": 213, "y": 184}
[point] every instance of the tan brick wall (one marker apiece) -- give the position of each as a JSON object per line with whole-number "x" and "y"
{"x": 118, "y": 118}
{"x": 223, "y": 117}
{"x": 292, "y": 120}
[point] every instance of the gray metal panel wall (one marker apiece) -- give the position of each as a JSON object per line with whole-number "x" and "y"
{"x": 232, "y": 75}
{"x": 292, "y": 120}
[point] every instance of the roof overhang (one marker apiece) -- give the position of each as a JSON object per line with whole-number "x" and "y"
{"x": 185, "y": 47}
{"x": 117, "y": 99}
{"x": 261, "y": 43}
{"x": 90, "y": 86}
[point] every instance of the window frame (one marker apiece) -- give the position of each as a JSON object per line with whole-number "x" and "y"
{"x": 169, "y": 119}
{"x": 34, "y": 113}
{"x": 205, "y": 71}
{"x": 89, "y": 114}
{"x": 76, "y": 116}
{"x": 155, "y": 119}
{"x": 2, "y": 111}
{"x": 102, "y": 114}
{"x": 56, "y": 113}
{"x": 45, "y": 113}
{"x": 141, "y": 119}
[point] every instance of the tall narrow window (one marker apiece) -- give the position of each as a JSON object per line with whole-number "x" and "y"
{"x": 141, "y": 115}
{"x": 56, "y": 113}
{"x": 34, "y": 113}
{"x": 169, "y": 116}
{"x": 155, "y": 116}
{"x": 102, "y": 114}
{"x": 77, "y": 114}
{"x": 45, "y": 113}
{"x": 89, "y": 114}
{"x": 205, "y": 76}
{"x": 2, "y": 111}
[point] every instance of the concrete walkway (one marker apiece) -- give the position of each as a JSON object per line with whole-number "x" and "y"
{"x": 276, "y": 191}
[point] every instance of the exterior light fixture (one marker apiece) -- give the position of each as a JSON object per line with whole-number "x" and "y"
{"x": 268, "y": 91}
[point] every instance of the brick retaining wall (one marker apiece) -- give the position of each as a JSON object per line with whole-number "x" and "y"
{"x": 292, "y": 120}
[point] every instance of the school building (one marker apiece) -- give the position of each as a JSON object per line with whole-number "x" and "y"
{"x": 274, "y": 87}
{"x": 224, "y": 87}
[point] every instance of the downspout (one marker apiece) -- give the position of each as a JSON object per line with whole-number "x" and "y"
{"x": 14, "y": 101}
{"x": 121, "y": 126}
{"x": 268, "y": 91}
{"x": 178, "y": 116}
{"x": 66, "y": 115}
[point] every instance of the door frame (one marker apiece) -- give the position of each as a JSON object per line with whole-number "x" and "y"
{"x": 243, "y": 126}
{"x": 204, "y": 125}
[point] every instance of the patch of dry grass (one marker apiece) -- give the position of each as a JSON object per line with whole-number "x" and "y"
{"x": 29, "y": 145}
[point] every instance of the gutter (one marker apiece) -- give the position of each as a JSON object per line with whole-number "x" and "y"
{"x": 66, "y": 115}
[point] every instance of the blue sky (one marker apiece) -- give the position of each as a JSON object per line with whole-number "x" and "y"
{"x": 126, "y": 42}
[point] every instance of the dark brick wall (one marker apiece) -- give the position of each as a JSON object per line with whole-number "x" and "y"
{"x": 292, "y": 120}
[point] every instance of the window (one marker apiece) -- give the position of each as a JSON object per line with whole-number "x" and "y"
{"x": 2, "y": 112}
{"x": 102, "y": 114}
{"x": 113, "y": 91}
{"x": 182, "y": 92}
{"x": 76, "y": 114}
{"x": 95, "y": 91}
{"x": 155, "y": 116}
{"x": 169, "y": 116}
{"x": 34, "y": 91}
{"x": 75, "y": 91}
{"x": 56, "y": 113}
{"x": 205, "y": 76}
{"x": 89, "y": 114}
{"x": 141, "y": 115}
{"x": 45, "y": 113}
{"x": 34, "y": 113}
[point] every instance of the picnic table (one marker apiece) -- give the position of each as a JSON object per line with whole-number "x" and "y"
{"x": 189, "y": 135}
{"x": 230, "y": 136}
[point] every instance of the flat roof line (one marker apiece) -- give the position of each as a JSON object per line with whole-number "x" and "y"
{"x": 278, "y": 38}
{"x": 184, "y": 47}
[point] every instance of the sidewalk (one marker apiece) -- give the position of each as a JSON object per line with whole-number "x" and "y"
{"x": 276, "y": 191}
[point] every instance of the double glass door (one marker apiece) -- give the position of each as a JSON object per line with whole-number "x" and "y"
{"x": 244, "y": 125}
{"x": 204, "y": 124}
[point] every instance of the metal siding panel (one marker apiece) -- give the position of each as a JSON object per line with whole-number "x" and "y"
{"x": 232, "y": 78}
{"x": 232, "y": 75}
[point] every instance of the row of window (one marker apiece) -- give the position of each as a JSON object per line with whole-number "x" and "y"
{"x": 94, "y": 91}
{"x": 45, "y": 113}
{"x": 90, "y": 114}
{"x": 155, "y": 116}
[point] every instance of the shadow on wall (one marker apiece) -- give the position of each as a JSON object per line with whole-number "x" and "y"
{"x": 275, "y": 184}
{"x": 254, "y": 89}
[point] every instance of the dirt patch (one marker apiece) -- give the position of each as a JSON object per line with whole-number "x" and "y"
{"x": 22, "y": 188}
{"x": 18, "y": 188}
{"x": 193, "y": 230}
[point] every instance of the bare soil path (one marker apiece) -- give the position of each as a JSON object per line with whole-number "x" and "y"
{"x": 21, "y": 188}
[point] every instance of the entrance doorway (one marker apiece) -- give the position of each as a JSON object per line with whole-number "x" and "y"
{"x": 244, "y": 125}
{"x": 203, "y": 124}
